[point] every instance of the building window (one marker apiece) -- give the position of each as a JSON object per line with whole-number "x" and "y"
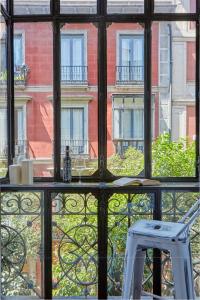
{"x": 128, "y": 123}
{"x": 3, "y": 132}
{"x": 131, "y": 59}
{"x": 20, "y": 69}
{"x": 18, "y": 52}
{"x": 73, "y": 69}
{"x": 73, "y": 130}
{"x": 20, "y": 140}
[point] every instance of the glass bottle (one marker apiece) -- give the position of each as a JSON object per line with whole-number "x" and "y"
{"x": 67, "y": 170}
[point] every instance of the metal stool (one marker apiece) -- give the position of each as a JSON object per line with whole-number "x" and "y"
{"x": 173, "y": 237}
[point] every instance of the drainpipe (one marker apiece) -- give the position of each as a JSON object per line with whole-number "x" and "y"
{"x": 170, "y": 77}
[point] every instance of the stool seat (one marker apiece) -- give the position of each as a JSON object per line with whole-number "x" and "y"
{"x": 168, "y": 236}
{"x": 157, "y": 229}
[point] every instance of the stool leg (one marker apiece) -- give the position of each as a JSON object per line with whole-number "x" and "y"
{"x": 129, "y": 261}
{"x": 138, "y": 271}
{"x": 182, "y": 271}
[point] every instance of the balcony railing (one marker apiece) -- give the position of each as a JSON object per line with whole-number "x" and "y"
{"x": 129, "y": 74}
{"x": 20, "y": 75}
{"x": 76, "y": 146}
{"x": 74, "y": 236}
{"x": 122, "y": 145}
{"x": 20, "y": 148}
{"x": 3, "y": 149}
{"x": 74, "y": 74}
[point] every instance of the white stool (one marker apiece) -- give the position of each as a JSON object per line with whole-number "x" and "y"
{"x": 170, "y": 236}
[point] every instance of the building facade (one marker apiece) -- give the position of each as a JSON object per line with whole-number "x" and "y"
{"x": 173, "y": 84}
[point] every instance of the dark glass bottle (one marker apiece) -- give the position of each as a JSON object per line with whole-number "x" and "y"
{"x": 67, "y": 170}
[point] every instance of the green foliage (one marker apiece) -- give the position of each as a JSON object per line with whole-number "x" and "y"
{"x": 173, "y": 158}
{"x": 75, "y": 230}
{"x": 131, "y": 164}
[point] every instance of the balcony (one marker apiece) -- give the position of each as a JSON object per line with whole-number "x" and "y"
{"x": 20, "y": 75}
{"x": 76, "y": 146}
{"x": 121, "y": 145}
{"x": 74, "y": 236}
{"x": 126, "y": 75}
{"x": 74, "y": 75}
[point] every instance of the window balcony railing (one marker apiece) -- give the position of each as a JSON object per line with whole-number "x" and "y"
{"x": 20, "y": 75}
{"x": 76, "y": 146}
{"x": 129, "y": 74}
{"x": 122, "y": 145}
{"x": 74, "y": 75}
{"x": 75, "y": 238}
{"x": 21, "y": 148}
{"x": 3, "y": 149}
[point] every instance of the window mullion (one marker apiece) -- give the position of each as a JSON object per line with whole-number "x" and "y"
{"x": 147, "y": 99}
{"x": 56, "y": 99}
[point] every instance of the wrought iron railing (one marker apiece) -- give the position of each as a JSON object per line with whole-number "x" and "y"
{"x": 20, "y": 75}
{"x": 76, "y": 146}
{"x": 71, "y": 239}
{"x": 74, "y": 74}
{"x": 122, "y": 145}
{"x": 20, "y": 148}
{"x": 3, "y": 149}
{"x": 129, "y": 74}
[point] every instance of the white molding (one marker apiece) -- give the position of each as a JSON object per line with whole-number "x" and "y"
{"x": 71, "y": 99}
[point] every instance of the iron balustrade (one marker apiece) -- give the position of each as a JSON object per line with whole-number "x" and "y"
{"x": 21, "y": 148}
{"x": 121, "y": 145}
{"x": 20, "y": 75}
{"x": 76, "y": 234}
{"x": 130, "y": 74}
{"x": 74, "y": 74}
{"x": 76, "y": 146}
{"x": 3, "y": 149}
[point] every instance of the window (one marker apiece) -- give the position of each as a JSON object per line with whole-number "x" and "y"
{"x": 146, "y": 92}
{"x": 20, "y": 140}
{"x": 131, "y": 59}
{"x": 73, "y": 130}
{"x": 3, "y": 54}
{"x": 18, "y": 53}
{"x": 3, "y": 132}
{"x": 73, "y": 69}
{"x": 128, "y": 123}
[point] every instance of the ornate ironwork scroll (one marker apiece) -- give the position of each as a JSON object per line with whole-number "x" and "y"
{"x": 124, "y": 210}
{"x": 20, "y": 243}
{"x": 74, "y": 245}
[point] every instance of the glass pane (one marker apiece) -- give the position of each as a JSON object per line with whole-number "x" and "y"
{"x": 75, "y": 249}
{"x": 125, "y": 102}
{"x": 175, "y": 6}
{"x": 3, "y": 2}
{"x": 125, "y": 6}
{"x": 173, "y": 88}
{"x": 21, "y": 244}
{"x": 3, "y": 99}
{"x": 33, "y": 74}
{"x": 31, "y": 7}
{"x": 78, "y": 7}
{"x": 79, "y": 95}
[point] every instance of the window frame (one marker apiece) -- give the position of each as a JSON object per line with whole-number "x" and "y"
{"x": 101, "y": 19}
